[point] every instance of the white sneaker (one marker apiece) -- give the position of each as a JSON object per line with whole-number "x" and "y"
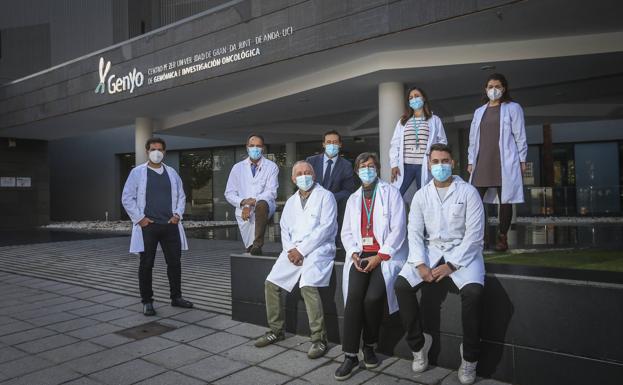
{"x": 467, "y": 370}
{"x": 420, "y": 359}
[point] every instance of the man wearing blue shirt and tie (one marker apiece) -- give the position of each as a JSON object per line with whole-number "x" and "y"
{"x": 334, "y": 172}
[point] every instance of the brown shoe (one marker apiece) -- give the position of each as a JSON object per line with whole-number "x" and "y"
{"x": 502, "y": 244}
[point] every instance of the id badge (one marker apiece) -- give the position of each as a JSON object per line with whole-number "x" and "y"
{"x": 368, "y": 241}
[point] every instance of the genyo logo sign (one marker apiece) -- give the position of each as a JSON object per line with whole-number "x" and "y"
{"x": 114, "y": 84}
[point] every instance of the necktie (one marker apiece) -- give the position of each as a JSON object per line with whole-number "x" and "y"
{"x": 327, "y": 174}
{"x": 253, "y": 168}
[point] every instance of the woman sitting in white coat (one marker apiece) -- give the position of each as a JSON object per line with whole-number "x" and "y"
{"x": 497, "y": 152}
{"x": 373, "y": 235}
{"x": 308, "y": 230}
{"x": 415, "y": 132}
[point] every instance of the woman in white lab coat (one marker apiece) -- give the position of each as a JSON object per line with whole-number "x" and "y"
{"x": 415, "y": 132}
{"x": 497, "y": 152}
{"x": 373, "y": 235}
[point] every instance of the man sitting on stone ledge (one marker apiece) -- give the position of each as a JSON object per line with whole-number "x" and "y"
{"x": 308, "y": 229}
{"x": 445, "y": 231}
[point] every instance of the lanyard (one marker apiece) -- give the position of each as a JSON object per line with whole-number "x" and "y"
{"x": 371, "y": 208}
{"x": 416, "y": 127}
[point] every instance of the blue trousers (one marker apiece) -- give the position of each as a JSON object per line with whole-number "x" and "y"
{"x": 411, "y": 172}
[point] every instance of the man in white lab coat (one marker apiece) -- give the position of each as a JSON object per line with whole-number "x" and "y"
{"x": 445, "y": 232}
{"x": 308, "y": 230}
{"x": 252, "y": 190}
{"x": 153, "y": 197}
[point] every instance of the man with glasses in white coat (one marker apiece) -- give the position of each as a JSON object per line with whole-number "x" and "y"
{"x": 308, "y": 229}
{"x": 252, "y": 190}
{"x": 445, "y": 232}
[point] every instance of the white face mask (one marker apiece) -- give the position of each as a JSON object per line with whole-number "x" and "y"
{"x": 494, "y": 93}
{"x": 156, "y": 156}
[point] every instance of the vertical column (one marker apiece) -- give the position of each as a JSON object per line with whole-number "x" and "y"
{"x": 391, "y": 107}
{"x": 143, "y": 130}
{"x": 286, "y": 182}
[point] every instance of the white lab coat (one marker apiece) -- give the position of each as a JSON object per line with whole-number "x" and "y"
{"x": 396, "y": 149}
{"x": 133, "y": 200}
{"x": 389, "y": 230}
{"x": 513, "y": 150}
{"x": 454, "y": 228}
{"x": 311, "y": 230}
{"x": 242, "y": 185}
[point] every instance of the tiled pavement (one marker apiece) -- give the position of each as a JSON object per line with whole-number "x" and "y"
{"x": 59, "y": 333}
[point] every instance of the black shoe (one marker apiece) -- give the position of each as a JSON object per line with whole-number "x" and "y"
{"x": 256, "y": 250}
{"x": 181, "y": 302}
{"x": 148, "y": 309}
{"x": 369, "y": 357}
{"x": 248, "y": 250}
{"x": 346, "y": 369}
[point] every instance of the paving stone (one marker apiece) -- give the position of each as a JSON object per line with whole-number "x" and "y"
{"x": 70, "y": 306}
{"x": 220, "y": 322}
{"x": 247, "y": 330}
{"x": 70, "y": 352}
{"x": 171, "y": 378}
{"x": 112, "y": 315}
{"x": 15, "y": 327}
{"x": 177, "y": 356}
{"x": 188, "y": 333}
{"x": 488, "y": 381}
{"x": 134, "y": 320}
{"x": 324, "y": 375}
{"x": 106, "y": 297}
{"x": 90, "y": 310}
{"x": 255, "y": 376}
{"x": 218, "y": 342}
{"x": 73, "y": 324}
{"x": 83, "y": 381}
{"x": 123, "y": 302}
{"x": 293, "y": 363}
{"x": 173, "y": 323}
{"x": 8, "y": 353}
{"x": 88, "y": 294}
{"x": 212, "y": 368}
{"x": 25, "y": 336}
{"x": 110, "y": 340}
{"x": 52, "y": 319}
{"x": 453, "y": 379}
{"x": 194, "y": 316}
{"x": 94, "y": 331}
{"x": 298, "y": 381}
{"x": 334, "y": 351}
{"x": 6, "y": 320}
{"x": 383, "y": 379}
{"x": 99, "y": 361}
{"x": 249, "y": 353}
{"x": 47, "y": 343}
{"x": 145, "y": 346}
{"x": 128, "y": 373}
{"x": 49, "y": 376}
{"x": 402, "y": 368}
{"x": 292, "y": 341}
{"x": 72, "y": 290}
{"x": 24, "y": 365}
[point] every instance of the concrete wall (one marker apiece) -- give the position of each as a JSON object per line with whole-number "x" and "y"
{"x": 22, "y": 207}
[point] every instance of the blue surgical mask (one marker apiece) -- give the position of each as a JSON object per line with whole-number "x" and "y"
{"x": 304, "y": 182}
{"x": 416, "y": 103}
{"x": 441, "y": 172}
{"x": 367, "y": 175}
{"x": 255, "y": 153}
{"x": 331, "y": 150}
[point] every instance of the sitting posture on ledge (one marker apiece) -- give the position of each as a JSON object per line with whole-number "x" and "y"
{"x": 446, "y": 226}
{"x": 308, "y": 230}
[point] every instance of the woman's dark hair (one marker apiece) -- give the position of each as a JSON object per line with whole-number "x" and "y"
{"x": 155, "y": 140}
{"x": 409, "y": 111}
{"x": 364, "y": 157}
{"x": 506, "y": 96}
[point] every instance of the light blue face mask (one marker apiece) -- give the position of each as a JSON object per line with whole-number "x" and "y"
{"x": 416, "y": 103}
{"x": 304, "y": 182}
{"x": 367, "y": 175}
{"x": 441, "y": 172}
{"x": 331, "y": 150}
{"x": 255, "y": 153}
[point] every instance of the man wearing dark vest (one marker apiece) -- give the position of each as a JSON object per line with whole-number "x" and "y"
{"x": 334, "y": 173}
{"x": 153, "y": 197}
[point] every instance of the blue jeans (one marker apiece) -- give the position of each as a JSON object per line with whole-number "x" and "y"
{"x": 411, "y": 172}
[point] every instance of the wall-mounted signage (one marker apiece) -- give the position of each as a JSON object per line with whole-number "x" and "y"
{"x": 114, "y": 84}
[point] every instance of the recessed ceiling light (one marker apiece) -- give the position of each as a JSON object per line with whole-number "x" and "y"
{"x": 487, "y": 67}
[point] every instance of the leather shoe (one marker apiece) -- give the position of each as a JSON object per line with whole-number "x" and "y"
{"x": 148, "y": 309}
{"x": 181, "y": 302}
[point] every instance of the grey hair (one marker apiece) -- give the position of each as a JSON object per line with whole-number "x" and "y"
{"x": 300, "y": 162}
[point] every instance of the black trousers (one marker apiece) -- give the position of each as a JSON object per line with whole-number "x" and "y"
{"x": 168, "y": 236}
{"x": 364, "y": 307}
{"x": 412, "y": 318}
{"x": 506, "y": 211}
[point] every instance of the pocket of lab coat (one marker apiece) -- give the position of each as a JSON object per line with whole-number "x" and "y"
{"x": 457, "y": 210}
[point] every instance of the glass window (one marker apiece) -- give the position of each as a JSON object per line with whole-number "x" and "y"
{"x": 597, "y": 178}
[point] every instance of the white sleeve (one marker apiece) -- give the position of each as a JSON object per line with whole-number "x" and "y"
{"x": 349, "y": 240}
{"x": 415, "y": 232}
{"x": 232, "y": 188}
{"x": 129, "y": 197}
{"x": 519, "y": 131}
{"x": 397, "y": 221}
{"x": 394, "y": 147}
{"x": 470, "y": 247}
